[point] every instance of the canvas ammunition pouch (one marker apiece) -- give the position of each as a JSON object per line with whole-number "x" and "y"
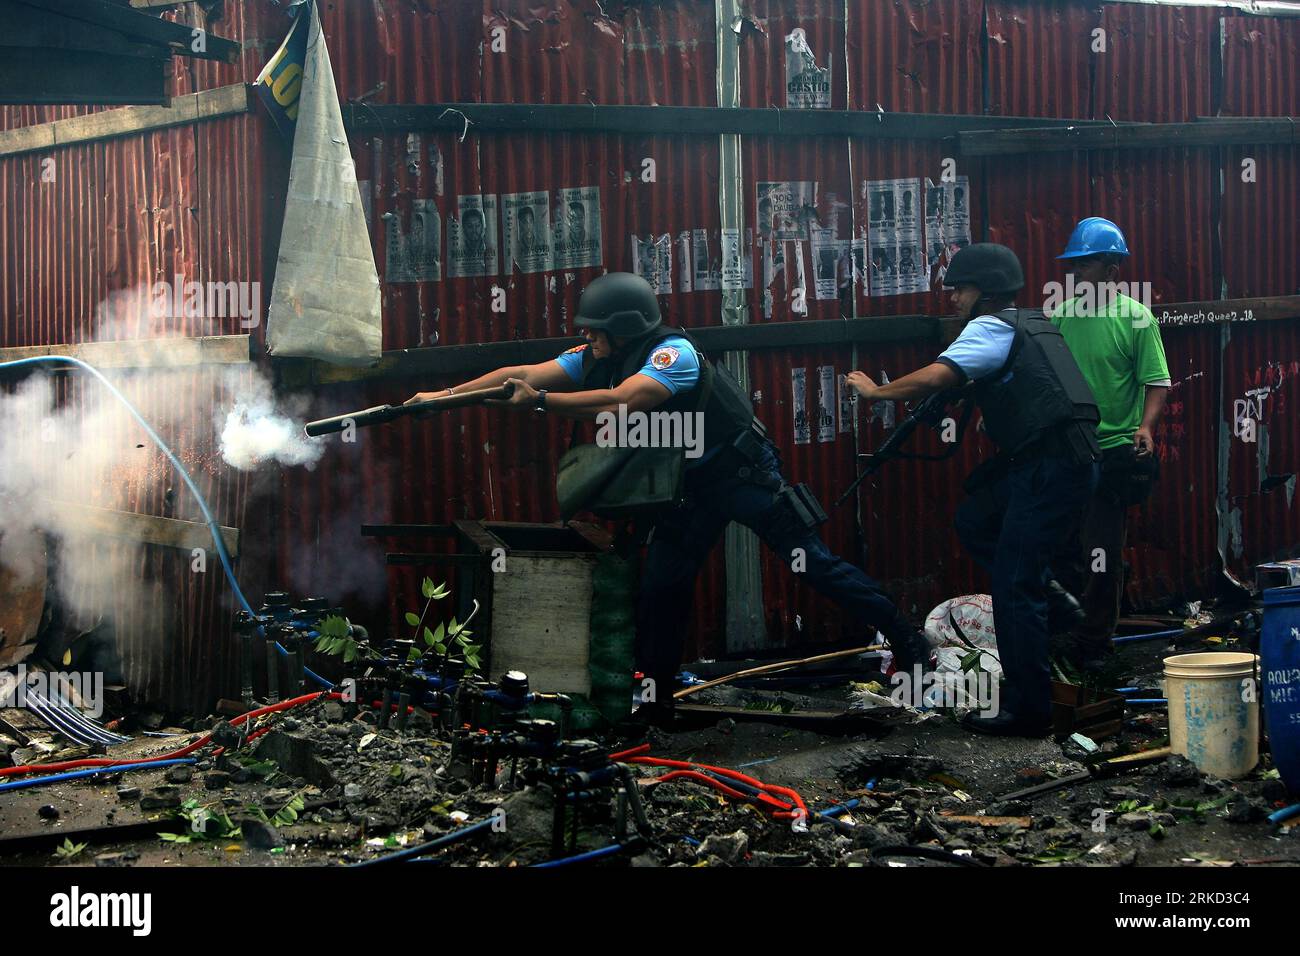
{"x": 614, "y": 481}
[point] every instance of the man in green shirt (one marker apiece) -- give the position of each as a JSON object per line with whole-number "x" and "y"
{"x": 1116, "y": 341}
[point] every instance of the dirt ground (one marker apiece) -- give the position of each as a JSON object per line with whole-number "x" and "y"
{"x": 921, "y": 782}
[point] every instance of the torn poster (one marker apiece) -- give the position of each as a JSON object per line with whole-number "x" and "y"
{"x": 846, "y": 393}
{"x": 832, "y": 263}
{"x": 799, "y": 403}
{"x": 708, "y": 270}
{"x": 737, "y": 262}
{"x": 807, "y": 85}
{"x": 799, "y": 292}
{"x": 685, "y": 269}
{"x": 947, "y": 224}
{"x": 827, "y": 399}
{"x": 652, "y": 260}
{"x": 527, "y": 232}
{"x": 325, "y": 303}
{"x": 859, "y": 249}
{"x": 785, "y": 209}
{"x": 577, "y": 228}
{"x": 472, "y": 237}
{"x": 415, "y": 256}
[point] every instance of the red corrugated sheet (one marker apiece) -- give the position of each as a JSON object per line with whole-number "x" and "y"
{"x": 206, "y": 201}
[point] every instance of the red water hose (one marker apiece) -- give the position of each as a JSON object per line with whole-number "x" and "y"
{"x": 183, "y": 752}
{"x": 792, "y": 808}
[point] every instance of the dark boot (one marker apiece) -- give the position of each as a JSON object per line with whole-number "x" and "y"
{"x": 1064, "y": 612}
{"x": 910, "y": 649}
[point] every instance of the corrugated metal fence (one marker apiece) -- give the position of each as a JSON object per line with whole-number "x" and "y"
{"x": 205, "y": 200}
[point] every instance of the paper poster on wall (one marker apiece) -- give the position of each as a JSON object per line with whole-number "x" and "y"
{"x": 472, "y": 237}
{"x": 577, "y": 228}
{"x": 827, "y": 400}
{"x": 832, "y": 263}
{"x": 527, "y": 219}
{"x": 708, "y": 266}
{"x": 652, "y": 260}
{"x": 807, "y": 85}
{"x": 414, "y": 256}
{"x": 799, "y": 405}
{"x": 786, "y": 209}
{"x": 896, "y": 257}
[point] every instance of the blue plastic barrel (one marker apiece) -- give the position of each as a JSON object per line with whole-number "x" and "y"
{"x": 1280, "y": 662}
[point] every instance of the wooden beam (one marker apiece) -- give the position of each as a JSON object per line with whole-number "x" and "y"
{"x": 451, "y": 360}
{"x": 109, "y": 124}
{"x": 147, "y": 353}
{"x": 1266, "y": 309}
{"x": 178, "y": 37}
{"x": 147, "y": 529}
{"x": 381, "y": 119}
{"x": 1205, "y": 132}
{"x": 461, "y": 359}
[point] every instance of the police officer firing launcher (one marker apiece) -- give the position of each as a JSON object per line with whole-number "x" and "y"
{"x": 633, "y": 363}
{"x": 1037, "y": 408}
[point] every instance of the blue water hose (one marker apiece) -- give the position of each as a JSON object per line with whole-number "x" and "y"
{"x": 92, "y": 772}
{"x": 1286, "y": 813}
{"x": 1154, "y": 635}
{"x": 423, "y": 848}
{"x": 840, "y": 808}
{"x": 211, "y": 521}
{"x": 604, "y": 851}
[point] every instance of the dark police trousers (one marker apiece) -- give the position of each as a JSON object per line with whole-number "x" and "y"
{"x": 683, "y": 537}
{"x": 1013, "y": 527}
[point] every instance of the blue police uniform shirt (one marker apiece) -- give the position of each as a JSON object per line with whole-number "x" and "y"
{"x": 981, "y": 348}
{"x": 674, "y": 364}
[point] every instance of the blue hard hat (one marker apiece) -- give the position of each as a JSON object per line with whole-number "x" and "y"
{"x": 1094, "y": 236}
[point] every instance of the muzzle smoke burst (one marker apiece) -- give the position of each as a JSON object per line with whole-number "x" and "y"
{"x": 254, "y": 435}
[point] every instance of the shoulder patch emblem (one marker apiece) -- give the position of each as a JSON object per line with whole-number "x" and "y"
{"x": 576, "y": 348}
{"x": 664, "y": 357}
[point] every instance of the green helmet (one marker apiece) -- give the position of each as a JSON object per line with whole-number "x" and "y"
{"x": 993, "y": 269}
{"x": 620, "y": 304}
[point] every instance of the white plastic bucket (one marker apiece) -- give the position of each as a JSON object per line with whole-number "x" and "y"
{"x": 1214, "y": 711}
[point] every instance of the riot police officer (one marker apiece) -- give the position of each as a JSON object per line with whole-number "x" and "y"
{"x": 1037, "y": 408}
{"x": 632, "y": 361}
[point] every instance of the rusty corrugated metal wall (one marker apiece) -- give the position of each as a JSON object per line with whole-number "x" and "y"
{"x": 205, "y": 201}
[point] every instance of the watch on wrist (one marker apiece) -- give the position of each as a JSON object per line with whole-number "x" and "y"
{"x": 540, "y": 405}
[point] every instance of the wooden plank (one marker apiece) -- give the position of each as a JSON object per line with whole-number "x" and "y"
{"x": 1266, "y": 309}
{"x": 951, "y": 816}
{"x": 1207, "y": 132}
{"x": 147, "y": 353}
{"x": 148, "y": 529}
{"x": 108, "y": 124}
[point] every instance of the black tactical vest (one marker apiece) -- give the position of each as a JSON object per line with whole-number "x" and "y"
{"x": 728, "y": 411}
{"x": 1046, "y": 391}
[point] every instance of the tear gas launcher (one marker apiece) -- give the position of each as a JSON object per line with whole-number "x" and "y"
{"x": 387, "y": 413}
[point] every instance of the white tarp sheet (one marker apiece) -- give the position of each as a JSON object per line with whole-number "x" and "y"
{"x": 326, "y": 301}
